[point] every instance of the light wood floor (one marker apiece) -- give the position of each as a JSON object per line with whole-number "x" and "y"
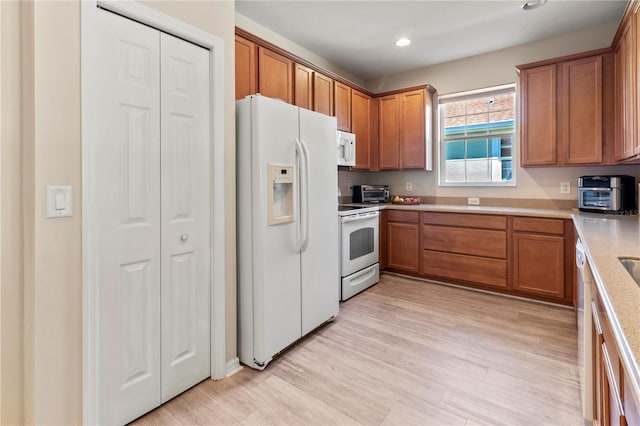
{"x": 407, "y": 352}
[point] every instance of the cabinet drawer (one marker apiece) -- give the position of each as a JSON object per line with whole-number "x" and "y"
{"x": 475, "y": 269}
{"x": 403, "y": 216}
{"x": 477, "y": 242}
{"x": 538, "y": 225}
{"x": 465, "y": 220}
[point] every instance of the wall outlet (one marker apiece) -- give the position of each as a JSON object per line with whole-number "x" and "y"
{"x": 408, "y": 186}
{"x": 565, "y": 187}
{"x": 473, "y": 201}
{"x": 350, "y": 187}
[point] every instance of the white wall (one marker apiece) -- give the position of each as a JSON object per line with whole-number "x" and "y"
{"x": 495, "y": 68}
{"x": 11, "y": 290}
{"x": 481, "y": 71}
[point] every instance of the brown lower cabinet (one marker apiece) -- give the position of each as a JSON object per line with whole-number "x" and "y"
{"x": 403, "y": 241}
{"x": 463, "y": 247}
{"x": 614, "y": 401}
{"x": 527, "y": 256}
{"x": 538, "y": 256}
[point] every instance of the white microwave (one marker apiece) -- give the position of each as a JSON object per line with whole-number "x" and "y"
{"x": 346, "y": 148}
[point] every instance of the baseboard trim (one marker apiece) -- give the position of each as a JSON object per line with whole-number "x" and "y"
{"x": 478, "y": 290}
{"x": 233, "y": 366}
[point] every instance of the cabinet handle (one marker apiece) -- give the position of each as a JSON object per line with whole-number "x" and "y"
{"x": 184, "y": 237}
{"x": 613, "y": 386}
{"x": 596, "y": 319}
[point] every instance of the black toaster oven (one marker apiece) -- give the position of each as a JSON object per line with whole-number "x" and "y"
{"x": 370, "y": 194}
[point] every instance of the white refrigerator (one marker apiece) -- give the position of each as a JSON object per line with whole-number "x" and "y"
{"x": 286, "y": 225}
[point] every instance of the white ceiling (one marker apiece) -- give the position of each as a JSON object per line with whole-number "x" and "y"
{"x": 359, "y": 36}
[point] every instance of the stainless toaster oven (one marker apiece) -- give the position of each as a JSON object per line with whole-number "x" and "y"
{"x": 607, "y": 193}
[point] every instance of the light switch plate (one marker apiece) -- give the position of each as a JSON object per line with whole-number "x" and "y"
{"x": 59, "y": 201}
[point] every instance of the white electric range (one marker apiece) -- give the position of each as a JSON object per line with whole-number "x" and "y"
{"x": 359, "y": 268}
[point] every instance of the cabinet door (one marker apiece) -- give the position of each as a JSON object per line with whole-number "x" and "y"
{"x": 625, "y": 89}
{"x": 303, "y": 86}
{"x": 403, "y": 246}
{"x": 580, "y": 110}
{"x": 636, "y": 78}
{"x": 342, "y": 96}
{"x": 246, "y": 72}
{"x": 361, "y": 126}
{"x": 538, "y": 116}
{"x": 412, "y": 129}
{"x": 275, "y": 75}
{"x": 322, "y": 93}
{"x": 389, "y": 127}
{"x": 538, "y": 264}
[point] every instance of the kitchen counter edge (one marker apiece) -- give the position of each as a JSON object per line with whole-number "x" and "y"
{"x": 509, "y": 211}
{"x": 605, "y": 238}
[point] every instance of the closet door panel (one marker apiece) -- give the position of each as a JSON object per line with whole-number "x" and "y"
{"x": 185, "y": 194}
{"x": 126, "y": 176}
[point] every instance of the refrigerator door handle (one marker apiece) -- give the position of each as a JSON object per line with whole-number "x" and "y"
{"x": 300, "y": 165}
{"x": 307, "y": 192}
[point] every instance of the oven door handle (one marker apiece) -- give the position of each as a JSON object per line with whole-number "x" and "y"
{"x": 359, "y": 217}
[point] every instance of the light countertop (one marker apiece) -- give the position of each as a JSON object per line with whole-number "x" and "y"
{"x": 605, "y": 239}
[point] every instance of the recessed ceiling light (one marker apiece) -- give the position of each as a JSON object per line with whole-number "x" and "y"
{"x": 533, "y": 4}
{"x": 403, "y": 42}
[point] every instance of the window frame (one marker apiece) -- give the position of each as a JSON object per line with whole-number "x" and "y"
{"x": 441, "y": 152}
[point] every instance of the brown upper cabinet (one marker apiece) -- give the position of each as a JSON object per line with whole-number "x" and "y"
{"x": 389, "y": 132}
{"x": 584, "y": 109}
{"x": 412, "y": 129}
{"x": 636, "y": 81}
{"x": 342, "y": 97}
{"x": 303, "y": 86}
{"x": 260, "y": 70}
{"x": 402, "y": 130}
{"x": 275, "y": 75}
{"x": 246, "y": 71}
{"x": 561, "y": 112}
{"x": 322, "y": 93}
{"x": 361, "y": 112}
{"x": 580, "y": 110}
{"x": 626, "y": 146}
{"x": 312, "y": 90}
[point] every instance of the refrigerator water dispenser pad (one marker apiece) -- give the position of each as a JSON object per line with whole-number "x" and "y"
{"x": 281, "y": 200}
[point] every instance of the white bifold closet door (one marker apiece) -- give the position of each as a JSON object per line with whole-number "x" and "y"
{"x": 151, "y": 174}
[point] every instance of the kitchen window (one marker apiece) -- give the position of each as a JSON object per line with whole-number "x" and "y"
{"x": 477, "y": 137}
